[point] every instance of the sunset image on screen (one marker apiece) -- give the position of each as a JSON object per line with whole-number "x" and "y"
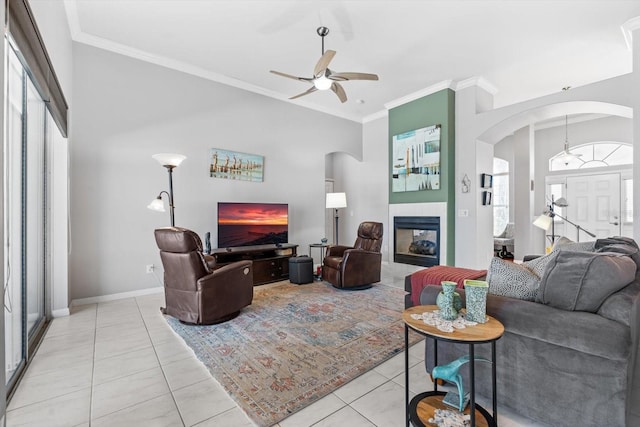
{"x": 251, "y": 213}
{"x": 242, "y": 224}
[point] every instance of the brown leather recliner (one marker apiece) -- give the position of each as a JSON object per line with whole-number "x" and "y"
{"x": 357, "y": 266}
{"x": 194, "y": 293}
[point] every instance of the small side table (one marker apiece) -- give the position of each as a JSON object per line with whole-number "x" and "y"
{"x": 423, "y": 406}
{"x": 323, "y": 248}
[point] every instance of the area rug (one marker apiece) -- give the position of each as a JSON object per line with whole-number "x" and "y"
{"x": 298, "y": 343}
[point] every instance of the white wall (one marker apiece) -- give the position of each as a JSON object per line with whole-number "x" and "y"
{"x": 472, "y": 245}
{"x": 523, "y": 204}
{"x": 366, "y": 184}
{"x": 126, "y": 110}
{"x": 484, "y": 235}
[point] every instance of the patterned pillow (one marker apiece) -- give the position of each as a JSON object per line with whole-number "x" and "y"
{"x": 564, "y": 244}
{"x": 512, "y": 280}
{"x": 538, "y": 265}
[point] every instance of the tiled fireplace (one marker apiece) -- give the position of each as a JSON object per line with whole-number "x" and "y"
{"x": 419, "y": 233}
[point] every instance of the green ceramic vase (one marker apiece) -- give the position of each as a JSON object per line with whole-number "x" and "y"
{"x": 476, "y": 296}
{"x": 446, "y": 301}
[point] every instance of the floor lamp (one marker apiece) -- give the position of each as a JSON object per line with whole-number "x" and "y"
{"x": 546, "y": 220}
{"x": 336, "y": 201}
{"x": 169, "y": 161}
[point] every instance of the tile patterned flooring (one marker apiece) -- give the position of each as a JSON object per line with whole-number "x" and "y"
{"x": 119, "y": 364}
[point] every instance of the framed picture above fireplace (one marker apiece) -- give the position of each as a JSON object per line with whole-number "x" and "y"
{"x": 416, "y": 160}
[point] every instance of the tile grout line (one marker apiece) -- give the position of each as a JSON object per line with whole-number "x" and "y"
{"x": 119, "y": 378}
{"x": 153, "y": 346}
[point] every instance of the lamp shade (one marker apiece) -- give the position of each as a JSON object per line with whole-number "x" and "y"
{"x": 156, "y": 205}
{"x": 336, "y": 200}
{"x": 169, "y": 159}
{"x": 543, "y": 221}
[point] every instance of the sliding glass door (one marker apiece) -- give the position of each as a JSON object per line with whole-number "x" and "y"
{"x": 25, "y": 227}
{"x": 34, "y": 208}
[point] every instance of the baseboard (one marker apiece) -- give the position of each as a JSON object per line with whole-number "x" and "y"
{"x": 113, "y": 297}
{"x": 60, "y": 313}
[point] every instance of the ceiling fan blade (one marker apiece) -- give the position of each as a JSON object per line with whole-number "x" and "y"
{"x": 353, "y": 76}
{"x": 289, "y": 76}
{"x": 307, "y": 92}
{"x": 323, "y": 62}
{"x": 339, "y": 90}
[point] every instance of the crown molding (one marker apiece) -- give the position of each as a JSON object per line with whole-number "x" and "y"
{"x": 627, "y": 30}
{"x": 446, "y": 84}
{"x": 375, "y": 116}
{"x": 480, "y": 82}
{"x": 81, "y": 37}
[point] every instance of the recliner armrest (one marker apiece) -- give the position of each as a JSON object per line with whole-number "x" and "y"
{"x": 361, "y": 266}
{"x": 337, "y": 250}
{"x": 358, "y": 259}
{"x": 228, "y": 273}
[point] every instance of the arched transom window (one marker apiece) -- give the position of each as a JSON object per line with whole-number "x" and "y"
{"x": 593, "y": 155}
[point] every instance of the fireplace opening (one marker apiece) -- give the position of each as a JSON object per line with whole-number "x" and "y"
{"x": 417, "y": 240}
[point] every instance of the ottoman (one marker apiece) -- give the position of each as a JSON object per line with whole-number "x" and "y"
{"x": 301, "y": 269}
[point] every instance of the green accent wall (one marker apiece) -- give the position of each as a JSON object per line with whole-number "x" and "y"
{"x": 434, "y": 109}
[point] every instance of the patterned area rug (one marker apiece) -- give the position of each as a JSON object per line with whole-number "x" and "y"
{"x": 298, "y": 343}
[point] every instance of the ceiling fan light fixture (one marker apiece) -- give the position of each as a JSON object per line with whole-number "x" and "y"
{"x": 323, "y": 78}
{"x": 322, "y": 83}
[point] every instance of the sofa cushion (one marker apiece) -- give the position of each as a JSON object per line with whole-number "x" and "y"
{"x": 619, "y": 244}
{"x": 512, "y": 280}
{"x": 619, "y": 305}
{"x": 581, "y": 281}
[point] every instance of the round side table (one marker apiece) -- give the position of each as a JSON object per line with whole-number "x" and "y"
{"x": 423, "y": 406}
{"x": 323, "y": 248}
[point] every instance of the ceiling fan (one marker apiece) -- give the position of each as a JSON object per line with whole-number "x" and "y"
{"x": 323, "y": 78}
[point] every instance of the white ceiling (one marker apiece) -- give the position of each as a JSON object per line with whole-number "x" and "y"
{"x": 523, "y": 48}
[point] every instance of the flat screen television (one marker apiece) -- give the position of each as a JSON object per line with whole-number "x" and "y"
{"x": 248, "y": 224}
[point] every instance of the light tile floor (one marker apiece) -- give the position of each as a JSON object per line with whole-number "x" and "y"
{"x": 119, "y": 364}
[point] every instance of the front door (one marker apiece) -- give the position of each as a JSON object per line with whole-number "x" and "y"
{"x": 594, "y": 204}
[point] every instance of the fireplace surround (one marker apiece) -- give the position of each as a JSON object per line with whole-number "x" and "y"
{"x": 416, "y": 240}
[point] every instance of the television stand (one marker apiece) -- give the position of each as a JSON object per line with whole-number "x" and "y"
{"x": 270, "y": 262}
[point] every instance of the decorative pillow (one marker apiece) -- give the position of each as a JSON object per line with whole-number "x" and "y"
{"x": 565, "y": 244}
{"x": 512, "y": 280}
{"x": 581, "y": 281}
{"x": 562, "y": 240}
{"x": 538, "y": 265}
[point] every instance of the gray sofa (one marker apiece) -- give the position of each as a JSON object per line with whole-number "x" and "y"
{"x": 560, "y": 364}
